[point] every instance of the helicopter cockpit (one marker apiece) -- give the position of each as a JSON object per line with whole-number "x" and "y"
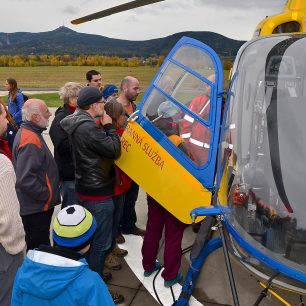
{"x": 264, "y": 143}
{"x": 182, "y": 97}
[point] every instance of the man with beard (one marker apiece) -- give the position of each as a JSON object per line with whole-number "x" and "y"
{"x": 129, "y": 92}
{"x": 12, "y": 243}
{"x": 94, "y": 149}
{"x": 37, "y": 184}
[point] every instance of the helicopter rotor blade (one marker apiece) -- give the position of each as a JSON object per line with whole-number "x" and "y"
{"x": 114, "y": 10}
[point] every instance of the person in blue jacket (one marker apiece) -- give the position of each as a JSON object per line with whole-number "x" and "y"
{"x": 15, "y": 100}
{"x": 60, "y": 275}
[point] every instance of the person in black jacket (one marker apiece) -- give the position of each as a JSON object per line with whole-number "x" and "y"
{"x": 62, "y": 152}
{"x": 94, "y": 148}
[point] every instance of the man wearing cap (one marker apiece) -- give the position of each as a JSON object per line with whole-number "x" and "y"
{"x": 94, "y": 149}
{"x": 60, "y": 275}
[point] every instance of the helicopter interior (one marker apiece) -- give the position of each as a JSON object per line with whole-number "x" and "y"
{"x": 287, "y": 27}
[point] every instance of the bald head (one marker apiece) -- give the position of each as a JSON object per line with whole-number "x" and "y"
{"x": 36, "y": 111}
{"x": 127, "y": 81}
{"x": 129, "y": 89}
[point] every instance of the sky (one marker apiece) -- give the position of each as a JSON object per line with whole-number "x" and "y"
{"x": 235, "y": 19}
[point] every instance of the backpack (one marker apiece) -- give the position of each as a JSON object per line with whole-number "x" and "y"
{"x": 25, "y": 97}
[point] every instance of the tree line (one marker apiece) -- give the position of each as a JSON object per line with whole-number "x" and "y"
{"x": 81, "y": 60}
{"x": 86, "y": 60}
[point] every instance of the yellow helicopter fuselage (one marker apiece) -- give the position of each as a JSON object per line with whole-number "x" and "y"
{"x": 291, "y": 19}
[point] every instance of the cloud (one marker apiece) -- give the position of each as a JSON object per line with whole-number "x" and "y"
{"x": 71, "y": 10}
{"x": 131, "y": 19}
{"x": 241, "y": 4}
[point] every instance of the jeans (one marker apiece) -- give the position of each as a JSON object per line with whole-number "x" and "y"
{"x": 68, "y": 193}
{"x": 118, "y": 210}
{"x": 128, "y": 220}
{"x": 37, "y": 228}
{"x": 103, "y": 212}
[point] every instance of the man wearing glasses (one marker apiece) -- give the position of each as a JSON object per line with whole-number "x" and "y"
{"x": 94, "y": 79}
{"x": 95, "y": 147}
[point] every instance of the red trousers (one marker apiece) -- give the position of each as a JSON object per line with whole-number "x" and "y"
{"x": 158, "y": 218}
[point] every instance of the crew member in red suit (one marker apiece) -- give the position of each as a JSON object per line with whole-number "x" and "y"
{"x": 195, "y": 134}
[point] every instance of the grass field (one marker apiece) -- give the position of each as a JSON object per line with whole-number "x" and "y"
{"x": 55, "y": 77}
{"x": 53, "y": 99}
{"x": 48, "y": 77}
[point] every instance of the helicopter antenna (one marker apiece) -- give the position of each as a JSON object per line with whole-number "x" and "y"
{"x": 114, "y": 10}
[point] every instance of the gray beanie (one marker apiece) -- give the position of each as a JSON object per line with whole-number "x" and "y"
{"x": 89, "y": 95}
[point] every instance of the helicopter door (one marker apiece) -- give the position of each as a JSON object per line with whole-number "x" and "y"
{"x": 170, "y": 145}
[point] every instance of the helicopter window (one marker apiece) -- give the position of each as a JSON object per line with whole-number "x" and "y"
{"x": 195, "y": 59}
{"x": 281, "y": 66}
{"x": 228, "y": 129}
{"x": 171, "y": 119}
{"x": 287, "y": 27}
{"x": 180, "y": 84}
{"x": 267, "y": 113}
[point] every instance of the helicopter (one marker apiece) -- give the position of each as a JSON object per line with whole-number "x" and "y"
{"x": 248, "y": 179}
{"x": 290, "y": 20}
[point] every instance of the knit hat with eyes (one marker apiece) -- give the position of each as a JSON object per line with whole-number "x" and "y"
{"x": 74, "y": 227}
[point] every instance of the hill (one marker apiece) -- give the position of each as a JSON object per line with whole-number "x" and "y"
{"x": 66, "y": 41}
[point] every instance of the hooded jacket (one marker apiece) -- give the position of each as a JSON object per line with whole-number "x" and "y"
{"x": 62, "y": 150}
{"x": 49, "y": 279}
{"x": 94, "y": 150}
{"x": 37, "y": 184}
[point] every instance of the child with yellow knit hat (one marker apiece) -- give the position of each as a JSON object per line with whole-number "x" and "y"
{"x": 60, "y": 275}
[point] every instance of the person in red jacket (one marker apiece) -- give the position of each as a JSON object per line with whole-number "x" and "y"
{"x": 6, "y": 141}
{"x": 196, "y": 134}
{"x": 159, "y": 218}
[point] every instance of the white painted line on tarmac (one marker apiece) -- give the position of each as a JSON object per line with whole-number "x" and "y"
{"x": 133, "y": 245}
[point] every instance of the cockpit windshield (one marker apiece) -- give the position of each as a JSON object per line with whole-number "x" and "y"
{"x": 265, "y": 139}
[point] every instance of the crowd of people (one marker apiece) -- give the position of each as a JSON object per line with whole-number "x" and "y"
{"x": 97, "y": 198}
